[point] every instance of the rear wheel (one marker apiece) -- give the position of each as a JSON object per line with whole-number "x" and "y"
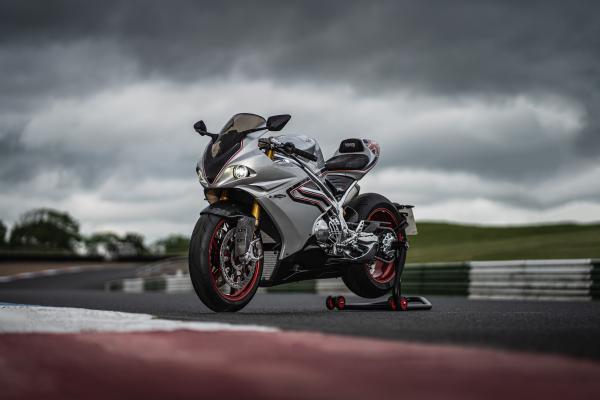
{"x": 374, "y": 279}
{"x": 221, "y": 281}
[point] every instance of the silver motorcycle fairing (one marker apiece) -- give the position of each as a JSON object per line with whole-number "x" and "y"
{"x": 273, "y": 184}
{"x": 267, "y": 175}
{"x": 268, "y": 183}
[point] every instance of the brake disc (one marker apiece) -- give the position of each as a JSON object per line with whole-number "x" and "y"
{"x": 236, "y": 274}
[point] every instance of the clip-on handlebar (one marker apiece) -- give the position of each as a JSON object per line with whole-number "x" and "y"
{"x": 286, "y": 148}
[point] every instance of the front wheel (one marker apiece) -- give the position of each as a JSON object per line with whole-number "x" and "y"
{"x": 222, "y": 281}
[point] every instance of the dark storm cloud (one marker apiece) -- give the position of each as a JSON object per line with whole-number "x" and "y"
{"x": 21, "y": 164}
{"x": 448, "y": 49}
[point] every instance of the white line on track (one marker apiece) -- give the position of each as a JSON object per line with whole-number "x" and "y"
{"x": 48, "y": 272}
{"x": 19, "y": 318}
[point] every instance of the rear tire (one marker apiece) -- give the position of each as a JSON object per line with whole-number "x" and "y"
{"x": 205, "y": 268}
{"x": 371, "y": 281}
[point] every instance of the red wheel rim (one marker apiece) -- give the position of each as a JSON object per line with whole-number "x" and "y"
{"x": 215, "y": 268}
{"x": 380, "y": 271}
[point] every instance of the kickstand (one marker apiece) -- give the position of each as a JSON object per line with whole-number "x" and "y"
{"x": 396, "y": 302}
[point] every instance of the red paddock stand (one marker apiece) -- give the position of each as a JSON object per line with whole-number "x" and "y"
{"x": 396, "y": 302}
{"x": 410, "y": 303}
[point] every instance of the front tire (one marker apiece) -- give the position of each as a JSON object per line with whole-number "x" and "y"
{"x": 209, "y": 251}
{"x": 374, "y": 279}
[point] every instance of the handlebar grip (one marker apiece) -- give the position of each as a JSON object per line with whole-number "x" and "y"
{"x": 290, "y": 148}
{"x": 305, "y": 154}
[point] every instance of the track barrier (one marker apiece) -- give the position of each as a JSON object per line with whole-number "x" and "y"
{"x": 571, "y": 279}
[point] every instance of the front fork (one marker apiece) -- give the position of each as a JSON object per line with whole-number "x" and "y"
{"x": 255, "y": 210}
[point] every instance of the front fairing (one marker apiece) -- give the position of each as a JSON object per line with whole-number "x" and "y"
{"x": 219, "y": 152}
{"x": 265, "y": 173}
{"x": 269, "y": 183}
{"x": 230, "y": 140}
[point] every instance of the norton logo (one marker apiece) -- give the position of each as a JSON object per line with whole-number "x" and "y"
{"x": 214, "y": 150}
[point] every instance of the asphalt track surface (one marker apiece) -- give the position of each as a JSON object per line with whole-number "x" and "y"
{"x": 568, "y": 328}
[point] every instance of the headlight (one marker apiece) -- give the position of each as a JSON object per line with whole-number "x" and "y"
{"x": 240, "y": 171}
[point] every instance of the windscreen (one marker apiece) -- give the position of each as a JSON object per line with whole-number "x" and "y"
{"x": 243, "y": 122}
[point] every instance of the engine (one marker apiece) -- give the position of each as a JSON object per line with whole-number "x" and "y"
{"x": 339, "y": 241}
{"x": 328, "y": 232}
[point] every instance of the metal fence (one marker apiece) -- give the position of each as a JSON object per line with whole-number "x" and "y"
{"x": 533, "y": 279}
{"x": 577, "y": 279}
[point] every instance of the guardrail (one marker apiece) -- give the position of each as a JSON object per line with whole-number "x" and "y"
{"x": 534, "y": 279}
{"x": 577, "y": 279}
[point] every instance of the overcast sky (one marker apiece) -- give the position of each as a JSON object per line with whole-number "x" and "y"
{"x": 486, "y": 112}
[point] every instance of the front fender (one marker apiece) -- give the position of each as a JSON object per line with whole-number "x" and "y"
{"x": 227, "y": 209}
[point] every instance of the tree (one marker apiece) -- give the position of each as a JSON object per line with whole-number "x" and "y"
{"x": 45, "y": 229}
{"x": 173, "y": 244}
{"x": 136, "y": 240}
{"x": 111, "y": 245}
{"x": 2, "y": 234}
{"x": 103, "y": 242}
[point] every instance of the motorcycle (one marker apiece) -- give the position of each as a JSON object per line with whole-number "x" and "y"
{"x": 279, "y": 213}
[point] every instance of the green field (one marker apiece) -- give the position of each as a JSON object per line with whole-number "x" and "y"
{"x": 449, "y": 242}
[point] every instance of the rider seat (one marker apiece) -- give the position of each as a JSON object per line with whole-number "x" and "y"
{"x": 350, "y": 156}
